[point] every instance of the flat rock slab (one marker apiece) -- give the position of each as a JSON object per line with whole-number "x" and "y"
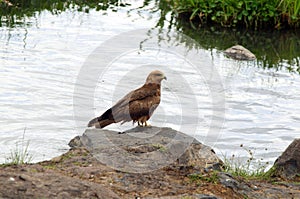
{"x": 143, "y": 149}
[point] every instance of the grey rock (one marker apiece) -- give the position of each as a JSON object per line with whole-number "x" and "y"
{"x": 205, "y": 196}
{"x": 143, "y": 149}
{"x": 229, "y": 181}
{"x": 240, "y": 53}
{"x": 75, "y": 142}
{"x": 287, "y": 166}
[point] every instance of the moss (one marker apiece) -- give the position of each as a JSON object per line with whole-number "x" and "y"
{"x": 160, "y": 147}
{"x": 50, "y": 166}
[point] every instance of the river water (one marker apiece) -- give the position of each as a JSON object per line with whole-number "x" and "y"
{"x": 221, "y": 102}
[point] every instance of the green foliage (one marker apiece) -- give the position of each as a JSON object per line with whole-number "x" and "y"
{"x": 228, "y": 13}
{"x": 248, "y": 13}
{"x": 208, "y": 177}
{"x": 20, "y": 155}
{"x": 251, "y": 168}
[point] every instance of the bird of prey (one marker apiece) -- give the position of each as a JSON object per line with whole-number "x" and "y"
{"x": 137, "y": 106}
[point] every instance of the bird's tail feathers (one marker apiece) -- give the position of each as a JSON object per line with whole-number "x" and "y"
{"x": 103, "y": 120}
{"x": 93, "y": 122}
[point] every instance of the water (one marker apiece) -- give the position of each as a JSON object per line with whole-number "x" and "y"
{"x": 41, "y": 62}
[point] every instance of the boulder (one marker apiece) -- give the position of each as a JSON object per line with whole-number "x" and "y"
{"x": 287, "y": 166}
{"x": 240, "y": 53}
{"x": 143, "y": 149}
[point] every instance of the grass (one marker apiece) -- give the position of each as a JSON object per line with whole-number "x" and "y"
{"x": 251, "y": 168}
{"x": 20, "y": 155}
{"x": 208, "y": 177}
{"x": 247, "y": 13}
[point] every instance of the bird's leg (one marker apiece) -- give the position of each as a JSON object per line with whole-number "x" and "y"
{"x": 149, "y": 125}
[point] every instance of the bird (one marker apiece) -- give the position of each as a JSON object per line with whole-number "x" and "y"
{"x": 137, "y": 106}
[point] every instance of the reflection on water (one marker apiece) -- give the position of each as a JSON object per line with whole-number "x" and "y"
{"x": 277, "y": 50}
{"x": 40, "y": 64}
{"x": 273, "y": 49}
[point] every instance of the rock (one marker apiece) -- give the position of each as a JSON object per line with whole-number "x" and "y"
{"x": 143, "y": 149}
{"x": 240, "y": 53}
{"x": 163, "y": 163}
{"x": 287, "y": 166}
{"x": 228, "y": 181}
{"x": 205, "y": 196}
{"x": 75, "y": 142}
{"x": 49, "y": 185}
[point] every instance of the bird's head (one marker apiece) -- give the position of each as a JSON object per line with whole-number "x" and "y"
{"x": 155, "y": 77}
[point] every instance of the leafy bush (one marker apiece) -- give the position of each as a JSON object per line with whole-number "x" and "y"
{"x": 249, "y": 13}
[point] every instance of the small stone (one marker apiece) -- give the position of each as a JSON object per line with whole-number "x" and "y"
{"x": 12, "y": 179}
{"x": 75, "y": 142}
{"x": 240, "y": 53}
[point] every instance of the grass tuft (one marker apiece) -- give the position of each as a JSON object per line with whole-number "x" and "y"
{"x": 251, "y": 168}
{"x": 20, "y": 155}
{"x": 208, "y": 177}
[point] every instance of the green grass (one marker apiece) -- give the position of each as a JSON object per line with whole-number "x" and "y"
{"x": 251, "y": 168}
{"x": 258, "y": 14}
{"x": 208, "y": 177}
{"x": 20, "y": 155}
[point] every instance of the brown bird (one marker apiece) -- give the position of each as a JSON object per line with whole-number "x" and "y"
{"x": 137, "y": 106}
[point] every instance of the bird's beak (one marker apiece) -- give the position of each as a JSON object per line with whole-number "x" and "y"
{"x": 165, "y": 78}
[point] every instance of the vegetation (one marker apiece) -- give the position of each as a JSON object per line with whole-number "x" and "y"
{"x": 251, "y": 168}
{"x": 20, "y": 155}
{"x": 208, "y": 177}
{"x": 247, "y": 13}
{"x": 159, "y": 147}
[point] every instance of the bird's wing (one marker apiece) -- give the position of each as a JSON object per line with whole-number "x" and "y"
{"x": 137, "y": 103}
{"x": 141, "y": 93}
